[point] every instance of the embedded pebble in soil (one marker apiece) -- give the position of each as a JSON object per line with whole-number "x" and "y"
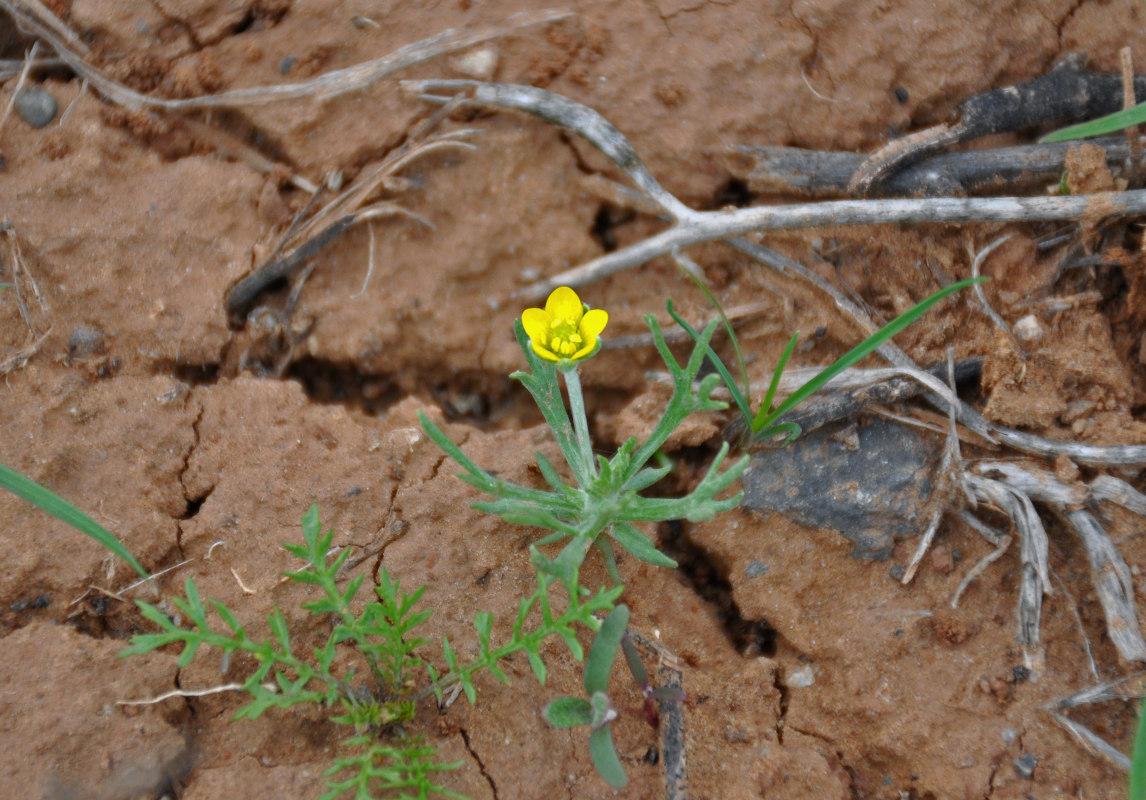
{"x": 36, "y": 106}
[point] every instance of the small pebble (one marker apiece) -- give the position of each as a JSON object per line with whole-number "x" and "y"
{"x": 1028, "y": 329}
{"x": 901, "y": 94}
{"x": 480, "y": 64}
{"x": 801, "y": 678}
{"x": 1009, "y": 735}
{"x": 897, "y": 572}
{"x": 36, "y": 106}
{"x": 286, "y": 64}
{"x": 1025, "y": 765}
{"x": 755, "y": 569}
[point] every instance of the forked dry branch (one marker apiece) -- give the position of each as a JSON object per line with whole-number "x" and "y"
{"x": 693, "y": 227}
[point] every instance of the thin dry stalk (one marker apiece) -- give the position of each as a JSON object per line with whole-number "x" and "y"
{"x": 227, "y": 687}
{"x": 1034, "y": 579}
{"x": 1093, "y": 742}
{"x": 23, "y": 355}
{"x": 1114, "y": 585}
{"x": 37, "y": 20}
{"x": 976, "y": 262}
{"x": 1126, "y": 62}
{"x": 924, "y": 545}
{"x": 1078, "y": 623}
{"x": 1001, "y": 541}
{"x": 29, "y": 60}
{"x": 1099, "y": 693}
{"x": 950, "y": 472}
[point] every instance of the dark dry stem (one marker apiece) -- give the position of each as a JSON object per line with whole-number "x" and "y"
{"x": 1068, "y": 93}
{"x": 817, "y": 173}
{"x": 305, "y": 238}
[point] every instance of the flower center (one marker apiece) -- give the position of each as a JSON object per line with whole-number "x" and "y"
{"x": 564, "y": 337}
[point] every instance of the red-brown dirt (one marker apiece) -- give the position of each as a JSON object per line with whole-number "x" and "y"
{"x": 145, "y": 408}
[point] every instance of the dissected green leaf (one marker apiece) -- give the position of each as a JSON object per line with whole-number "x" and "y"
{"x": 639, "y": 545}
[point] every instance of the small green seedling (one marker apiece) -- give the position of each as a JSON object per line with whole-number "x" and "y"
{"x": 597, "y": 712}
{"x": 763, "y": 423}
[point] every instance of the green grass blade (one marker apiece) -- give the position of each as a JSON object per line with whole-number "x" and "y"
{"x": 727, "y": 326}
{"x": 733, "y": 389}
{"x": 1111, "y": 123}
{"x": 64, "y": 511}
{"x": 864, "y": 348}
{"x": 1138, "y": 760}
{"x": 766, "y": 406}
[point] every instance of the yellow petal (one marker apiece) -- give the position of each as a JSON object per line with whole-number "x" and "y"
{"x": 541, "y": 351}
{"x": 584, "y": 351}
{"x": 564, "y": 304}
{"x": 536, "y": 324}
{"x": 593, "y": 323}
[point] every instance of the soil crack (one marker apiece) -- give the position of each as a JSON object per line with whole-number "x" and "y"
{"x": 194, "y": 501}
{"x": 709, "y": 580}
{"x": 480, "y": 763}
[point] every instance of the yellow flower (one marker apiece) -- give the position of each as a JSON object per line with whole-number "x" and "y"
{"x": 566, "y": 329}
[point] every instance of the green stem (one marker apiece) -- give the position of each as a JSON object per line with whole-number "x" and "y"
{"x": 580, "y": 425}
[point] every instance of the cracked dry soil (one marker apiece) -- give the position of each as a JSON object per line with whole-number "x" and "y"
{"x": 142, "y": 406}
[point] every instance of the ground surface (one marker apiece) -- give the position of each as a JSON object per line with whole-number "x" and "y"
{"x": 145, "y": 408}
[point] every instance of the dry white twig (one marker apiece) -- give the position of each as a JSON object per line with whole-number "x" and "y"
{"x": 977, "y": 262}
{"x": 227, "y": 687}
{"x": 693, "y": 227}
{"x": 37, "y": 20}
{"x": 29, "y": 60}
{"x": 1114, "y": 585}
{"x": 1001, "y": 541}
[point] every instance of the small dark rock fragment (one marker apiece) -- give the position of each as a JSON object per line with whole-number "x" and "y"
{"x": 36, "y": 106}
{"x": 755, "y": 569}
{"x": 85, "y": 341}
{"x": 1025, "y": 765}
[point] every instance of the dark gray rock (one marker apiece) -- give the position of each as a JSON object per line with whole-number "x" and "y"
{"x": 872, "y": 482}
